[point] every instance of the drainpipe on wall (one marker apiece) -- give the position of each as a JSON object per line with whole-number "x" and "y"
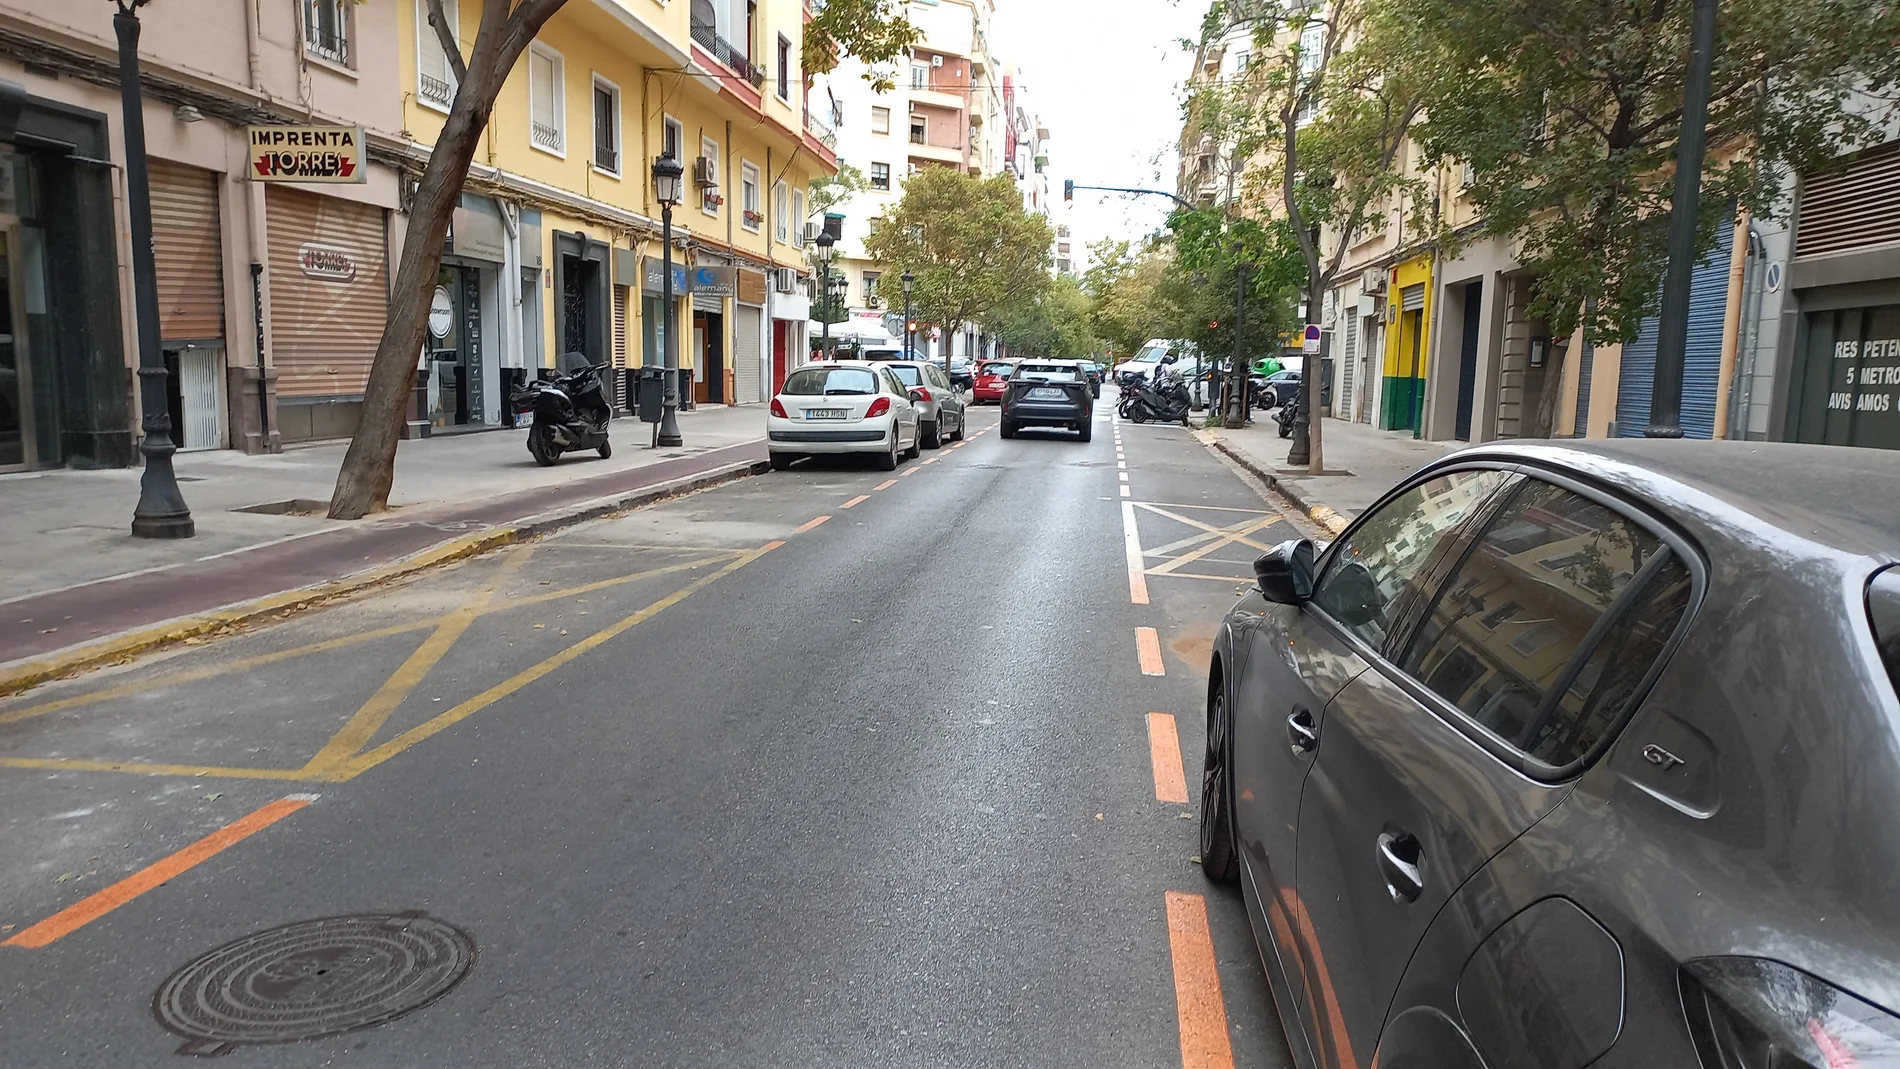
{"x": 254, "y": 64}
{"x": 1741, "y": 399}
{"x": 513, "y": 345}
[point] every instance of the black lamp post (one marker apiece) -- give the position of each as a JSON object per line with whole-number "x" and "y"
{"x": 1672, "y": 330}
{"x": 668, "y": 189}
{"x": 161, "y": 511}
{"x": 822, "y": 257}
{"x": 908, "y": 279}
{"x": 834, "y": 301}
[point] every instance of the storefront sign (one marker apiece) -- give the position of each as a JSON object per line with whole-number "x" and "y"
{"x": 327, "y": 262}
{"x": 715, "y": 281}
{"x": 651, "y": 279}
{"x": 307, "y": 154}
{"x": 477, "y": 235}
{"x": 441, "y": 313}
{"x": 472, "y": 345}
{"x": 751, "y": 286}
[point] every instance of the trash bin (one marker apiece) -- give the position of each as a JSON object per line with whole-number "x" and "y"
{"x": 650, "y": 393}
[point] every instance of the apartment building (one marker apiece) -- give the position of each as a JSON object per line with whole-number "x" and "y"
{"x": 554, "y": 254}
{"x": 271, "y": 296}
{"x": 949, "y": 109}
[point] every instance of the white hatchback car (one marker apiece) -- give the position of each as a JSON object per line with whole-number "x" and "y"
{"x": 842, "y": 406}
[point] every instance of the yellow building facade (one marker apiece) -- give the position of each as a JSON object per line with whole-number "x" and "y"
{"x": 555, "y": 249}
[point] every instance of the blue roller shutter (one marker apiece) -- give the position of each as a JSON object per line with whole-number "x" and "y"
{"x": 1702, "y": 362}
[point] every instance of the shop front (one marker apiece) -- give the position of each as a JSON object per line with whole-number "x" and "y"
{"x": 1409, "y": 311}
{"x": 1847, "y": 368}
{"x": 789, "y": 310}
{"x": 749, "y": 356}
{"x": 329, "y": 284}
{"x": 712, "y": 287}
{"x": 188, "y": 254}
{"x": 63, "y": 375}
{"x": 466, "y": 388}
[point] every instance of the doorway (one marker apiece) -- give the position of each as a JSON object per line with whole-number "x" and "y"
{"x": 709, "y": 350}
{"x": 1468, "y": 358}
{"x": 16, "y": 386}
{"x": 456, "y": 386}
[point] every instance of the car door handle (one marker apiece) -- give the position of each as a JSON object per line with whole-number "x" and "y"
{"x": 1402, "y": 861}
{"x": 1303, "y": 731}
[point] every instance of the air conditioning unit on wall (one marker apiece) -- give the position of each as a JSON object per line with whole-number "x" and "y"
{"x": 705, "y": 172}
{"x": 1373, "y": 280}
{"x": 784, "y": 280}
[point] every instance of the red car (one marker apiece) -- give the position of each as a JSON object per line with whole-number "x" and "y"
{"x": 991, "y": 377}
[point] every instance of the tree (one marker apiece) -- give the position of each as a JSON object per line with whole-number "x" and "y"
{"x": 1567, "y": 113}
{"x": 1054, "y": 324}
{"x": 968, "y": 243}
{"x": 832, "y": 190}
{"x": 868, "y": 29}
{"x": 1226, "y": 264}
{"x": 507, "y": 26}
{"x": 1319, "y": 125}
{"x": 874, "y": 31}
{"x": 1134, "y": 295}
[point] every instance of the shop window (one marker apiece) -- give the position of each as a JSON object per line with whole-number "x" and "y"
{"x": 606, "y": 125}
{"x": 435, "y": 78}
{"x": 326, "y": 29}
{"x": 749, "y": 196}
{"x": 880, "y": 176}
{"x": 547, "y": 106}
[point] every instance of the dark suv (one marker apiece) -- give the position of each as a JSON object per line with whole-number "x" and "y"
{"x": 1049, "y": 393}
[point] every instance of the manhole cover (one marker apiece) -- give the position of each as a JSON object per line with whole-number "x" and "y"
{"x": 312, "y": 979}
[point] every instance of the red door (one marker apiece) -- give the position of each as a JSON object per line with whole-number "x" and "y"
{"x": 781, "y": 353}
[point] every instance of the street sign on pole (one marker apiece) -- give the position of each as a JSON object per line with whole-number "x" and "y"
{"x": 1310, "y": 344}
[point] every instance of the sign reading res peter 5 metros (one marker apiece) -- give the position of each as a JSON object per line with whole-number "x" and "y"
{"x": 305, "y": 153}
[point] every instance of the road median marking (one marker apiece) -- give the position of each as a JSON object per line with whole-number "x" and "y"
{"x": 97, "y": 905}
{"x": 1201, "y": 1010}
{"x": 1164, "y": 750}
{"x": 809, "y": 524}
{"x": 1148, "y": 652}
{"x": 856, "y": 501}
{"x": 1131, "y": 548}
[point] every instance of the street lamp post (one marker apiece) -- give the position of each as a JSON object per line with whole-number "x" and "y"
{"x": 668, "y": 189}
{"x": 161, "y": 511}
{"x": 908, "y": 279}
{"x": 826, "y": 249}
{"x": 834, "y": 302}
{"x": 1672, "y": 329}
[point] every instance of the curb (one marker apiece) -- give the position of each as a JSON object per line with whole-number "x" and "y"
{"x": 1324, "y": 515}
{"x": 117, "y": 648}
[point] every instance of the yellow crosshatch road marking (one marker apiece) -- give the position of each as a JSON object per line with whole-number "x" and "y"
{"x": 343, "y": 757}
{"x": 1208, "y": 539}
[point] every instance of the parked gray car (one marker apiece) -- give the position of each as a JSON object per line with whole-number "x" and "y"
{"x": 942, "y": 411}
{"x": 1576, "y": 754}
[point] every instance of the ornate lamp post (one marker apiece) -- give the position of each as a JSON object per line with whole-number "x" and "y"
{"x": 161, "y": 511}
{"x": 908, "y": 332}
{"x": 669, "y": 190}
{"x": 834, "y": 298}
{"x": 822, "y": 257}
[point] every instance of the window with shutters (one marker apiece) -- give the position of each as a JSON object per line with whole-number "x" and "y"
{"x": 784, "y": 68}
{"x": 606, "y": 126}
{"x": 880, "y": 120}
{"x": 547, "y": 107}
{"x": 435, "y": 79}
{"x": 798, "y": 218}
{"x": 672, "y": 139}
{"x": 749, "y": 196}
{"x": 326, "y": 29}
{"x": 781, "y": 211}
{"x": 710, "y": 198}
{"x": 880, "y": 176}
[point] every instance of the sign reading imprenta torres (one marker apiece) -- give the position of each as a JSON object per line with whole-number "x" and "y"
{"x": 302, "y": 153}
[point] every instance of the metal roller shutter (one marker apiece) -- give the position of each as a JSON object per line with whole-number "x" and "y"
{"x": 188, "y": 252}
{"x": 1412, "y": 298}
{"x": 1702, "y": 358}
{"x": 746, "y": 362}
{"x": 705, "y": 303}
{"x": 329, "y": 277}
{"x": 620, "y": 346}
{"x": 1852, "y": 208}
{"x": 1348, "y": 367}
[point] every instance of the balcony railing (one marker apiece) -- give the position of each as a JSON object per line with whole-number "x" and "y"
{"x": 821, "y": 130}
{"x": 436, "y": 91}
{"x": 706, "y": 35}
{"x": 545, "y": 136}
{"x": 329, "y": 44}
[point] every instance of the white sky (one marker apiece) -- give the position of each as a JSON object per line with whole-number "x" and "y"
{"x": 1105, "y": 75}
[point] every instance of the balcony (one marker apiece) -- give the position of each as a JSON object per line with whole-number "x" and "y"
{"x": 821, "y": 130}
{"x": 437, "y": 92}
{"x": 949, "y": 100}
{"x": 706, "y": 36}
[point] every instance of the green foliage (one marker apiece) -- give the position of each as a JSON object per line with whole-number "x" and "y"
{"x": 832, "y": 190}
{"x": 1568, "y": 114}
{"x": 1055, "y": 324}
{"x": 968, "y": 242}
{"x": 874, "y": 31}
{"x": 1134, "y": 293}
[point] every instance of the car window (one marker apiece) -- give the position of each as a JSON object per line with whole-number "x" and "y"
{"x": 1502, "y": 638}
{"x": 819, "y": 381}
{"x": 907, "y": 374}
{"x": 1368, "y": 572}
{"x": 1883, "y": 609}
{"x": 937, "y": 377}
{"x": 1046, "y": 372}
{"x": 893, "y": 384}
{"x": 997, "y": 369}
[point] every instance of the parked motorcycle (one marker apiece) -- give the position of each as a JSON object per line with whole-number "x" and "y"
{"x": 1165, "y": 399}
{"x": 1287, "y": 414}
{"x": 1263, "y": 397}
{"x": 570, "y": 412}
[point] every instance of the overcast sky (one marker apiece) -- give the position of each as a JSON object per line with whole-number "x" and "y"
{"x": 1106, "y": 76}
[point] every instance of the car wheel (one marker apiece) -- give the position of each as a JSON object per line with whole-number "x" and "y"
{"x": 1218, "y": 857}
{"x": 963, "y": 420}
{"x": 1086, "y": 429}
{"x": 1008, "y": 428}
{"x": 782, "y": 461}
{"x": 887, "y": 460}
{"x": 916, "y": 444}
{"x": 932, "y": 438}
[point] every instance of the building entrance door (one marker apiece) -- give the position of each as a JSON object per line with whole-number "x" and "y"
{"x": 16, "y": 392}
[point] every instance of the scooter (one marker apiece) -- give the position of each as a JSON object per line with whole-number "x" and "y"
{"x": 1166, "y": 400}
{"x": 1286, "y": 415}
{"x": 570, "y": 412}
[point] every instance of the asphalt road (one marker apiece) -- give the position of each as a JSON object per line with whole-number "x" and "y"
{"x": 713, "y": 783}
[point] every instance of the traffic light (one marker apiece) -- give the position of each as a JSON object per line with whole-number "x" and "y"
{"x": 1068, "y": 189}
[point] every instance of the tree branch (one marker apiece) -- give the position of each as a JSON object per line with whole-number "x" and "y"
{"x": 445, "y": 36}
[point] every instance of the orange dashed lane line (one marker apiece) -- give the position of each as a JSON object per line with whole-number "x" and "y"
{"x": 858, "y": 500}
{"x": 94, "y": 906}
{"x": 885, "y": 485}
{"x": 1197, "y": 997}
{"x": 910, "y": 471}
{"x": 932, "y": 460}
{"x": 1131, "y": 548}
{"x": 1148, "y": 650}
{"x": 809, "y": 524}
{"x": 1164, "y": 747}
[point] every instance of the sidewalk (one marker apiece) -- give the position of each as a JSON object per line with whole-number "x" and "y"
{"x": 1362, "y": 463}
{"x": 75, "y": 577}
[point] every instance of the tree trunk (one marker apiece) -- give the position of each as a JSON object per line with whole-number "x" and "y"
{"x": 1309, "y": 375}
{"x": 369, "y": 467}
{"x": 1544, "y": 424}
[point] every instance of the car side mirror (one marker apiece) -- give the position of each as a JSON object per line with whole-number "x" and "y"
{"x": 1285, "y": 572}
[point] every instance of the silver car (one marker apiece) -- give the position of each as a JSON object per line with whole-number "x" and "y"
{"x": 940, "y": 411}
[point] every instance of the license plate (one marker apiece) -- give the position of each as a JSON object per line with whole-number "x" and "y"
{"x": 1047, "y": 393}
{"x": 827, "y": 413}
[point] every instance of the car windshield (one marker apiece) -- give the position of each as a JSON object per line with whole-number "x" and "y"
{"x": 1150, "y": 355}
{"x": 908, "y": 374}
{"x": 1046, "y": 373}
{"x": 1001, "y": 370}
{"x": 828, "y": 381}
